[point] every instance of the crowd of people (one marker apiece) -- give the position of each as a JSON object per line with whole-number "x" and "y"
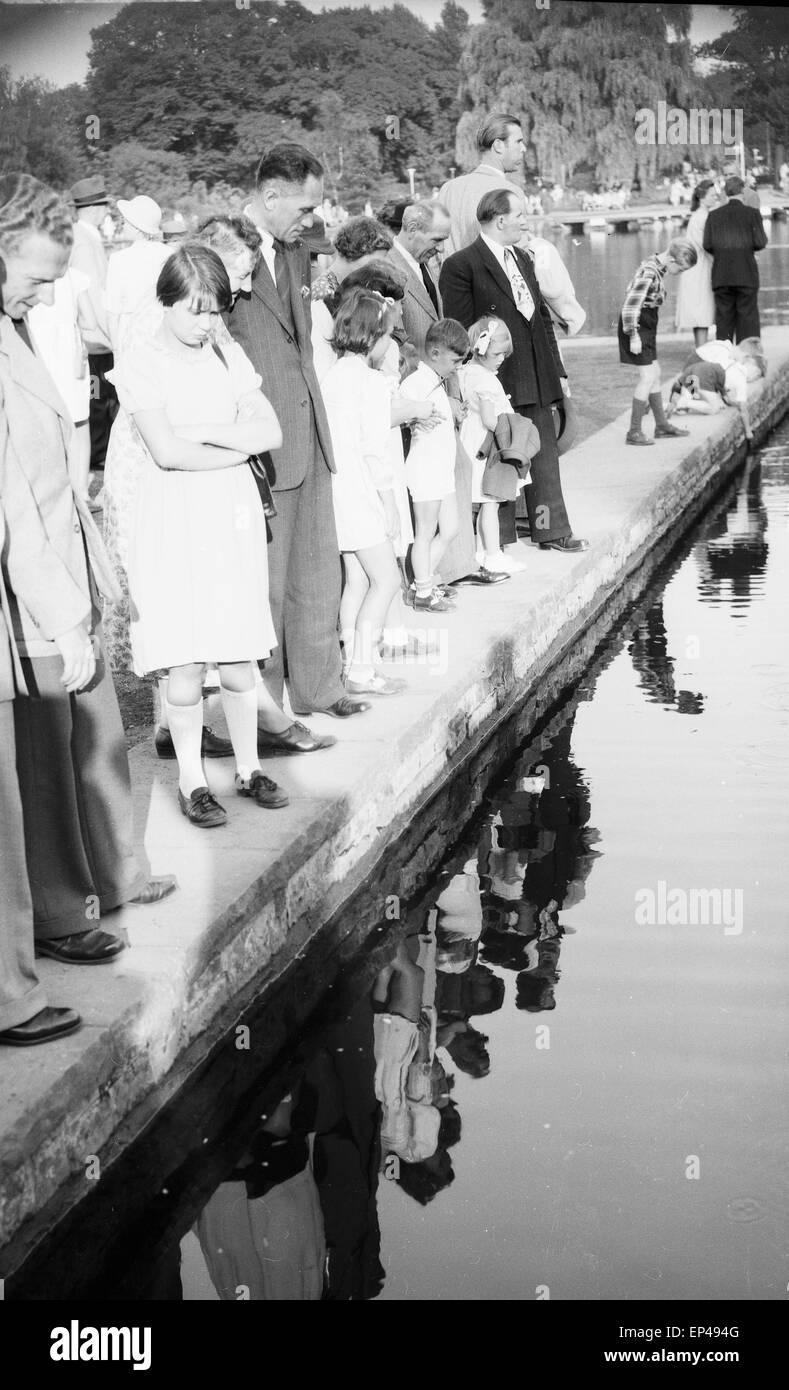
{"x": 296, "y": 458}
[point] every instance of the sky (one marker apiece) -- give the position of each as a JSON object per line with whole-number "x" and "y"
{"x": 52, "y": 40}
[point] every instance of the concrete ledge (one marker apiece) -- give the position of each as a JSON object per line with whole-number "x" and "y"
{"x": 253, "y": 894}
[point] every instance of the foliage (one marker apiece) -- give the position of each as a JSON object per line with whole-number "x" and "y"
{"x": 215, "y": 84}
{"x": 755, "y": 66}
{"x": 42, "y": 130}
{"x": 577, "y": 73}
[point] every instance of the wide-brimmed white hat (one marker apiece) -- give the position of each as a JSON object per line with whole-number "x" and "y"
{"x": 143, "y": 213}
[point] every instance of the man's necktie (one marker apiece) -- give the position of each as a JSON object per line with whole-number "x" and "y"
{"x": 281, "y": 275}
{"x": 430, "y": 286}
{"x": 24, "y": 332}
{"x": 520, "y": 290}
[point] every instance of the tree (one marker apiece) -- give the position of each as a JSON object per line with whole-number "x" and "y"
{"x": 41, "y": 130}
{"x": 576, "y": 73}
{"x": 131, "y": 168}
{"x": 201, "y": 81}
{"x": 752, "y": 72}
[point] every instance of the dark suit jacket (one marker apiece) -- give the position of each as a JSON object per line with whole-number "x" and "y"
{"x": 260, "y": 325}
{"x": 473, "y": 284}
{"x": 731, "y": 235}
{"x": 418, "y": 311}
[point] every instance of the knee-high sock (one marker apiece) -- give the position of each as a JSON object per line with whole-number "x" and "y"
{"x": 241, "y": 713}
{"x": 638, "y": 411}
{"x": 656, "y": 402}
{"x": 186, "y": 731}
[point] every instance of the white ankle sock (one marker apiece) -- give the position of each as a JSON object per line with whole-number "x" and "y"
{"x": 186, "y": 731}
{"x": 241, "y": 713}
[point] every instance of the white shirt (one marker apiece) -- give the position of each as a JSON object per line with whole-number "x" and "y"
{"x": 267, "y": 248}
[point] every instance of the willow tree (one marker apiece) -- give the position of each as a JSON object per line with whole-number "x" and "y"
{"x": 576, "y": 74}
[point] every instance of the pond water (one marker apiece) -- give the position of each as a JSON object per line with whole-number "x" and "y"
{"x": 561, "y": 1073}
{"x": 601, "y": 264}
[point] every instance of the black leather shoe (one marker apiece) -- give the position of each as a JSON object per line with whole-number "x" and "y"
{"x": 482, "y": 576}
{"x": 201, "y": 808}
{"x": 211, "y": 746}
{"x": 41, "y": 1028}
{"x": 92, "y": 947}
{"x": 569, "y": 543}
{"x": 263, "y": 791}
{"x": 344, "y": 707}
{"x": 297, "y": 739}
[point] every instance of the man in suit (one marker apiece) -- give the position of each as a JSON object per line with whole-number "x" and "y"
{"x": 502, "y": 150}
{"x": 424, "y": 231}
{"x": 71, "y": 764}
{"x": 732, "y": 235}
{"x": 492, "y": 276}
{"x": 272, "y": 324}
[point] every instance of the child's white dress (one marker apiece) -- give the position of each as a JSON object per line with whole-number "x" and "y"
{"x": 358, "y": 405}
{"x": 477, "y": 382}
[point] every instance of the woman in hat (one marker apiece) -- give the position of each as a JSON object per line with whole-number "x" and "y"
{"x": 133, "y": 272}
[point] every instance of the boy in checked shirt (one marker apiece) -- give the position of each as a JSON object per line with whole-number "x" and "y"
{"x": 637, "y": 333}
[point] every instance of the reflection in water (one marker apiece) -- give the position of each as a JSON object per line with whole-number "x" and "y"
{"x": 733, "y": 553}
{"x": 648, "y": 648}
{"x": 376, "y": 1102}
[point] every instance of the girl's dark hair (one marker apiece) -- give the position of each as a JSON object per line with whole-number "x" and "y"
{"x": 196, "y": 273}
{"x": 699, "y": 192}
{"x": 361, "y": 320}
{"x": 378, "y": 276}
{"x": 361, "y": 236}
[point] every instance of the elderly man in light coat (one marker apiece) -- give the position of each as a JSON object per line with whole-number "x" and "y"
{"x": 70, "y": 749}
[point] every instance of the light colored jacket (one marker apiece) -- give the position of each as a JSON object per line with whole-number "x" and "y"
{"x": 12, "y": 681}
{"x": 48, "y": 529}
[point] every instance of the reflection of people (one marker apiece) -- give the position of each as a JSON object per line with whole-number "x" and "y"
{"x": 734, "y": 550}
{"x": 262, "y": 1230}
{"x": 648, "y": 648}
{"x": 404, "y": 1040}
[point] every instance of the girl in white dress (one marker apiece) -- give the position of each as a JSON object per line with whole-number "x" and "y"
{"x": 695, "y": 300}
{"x": 385, "y": 279}
{"x": 197, "y": 562}
{"x": 358, "y": 406}
{"x": 486, "y": 399}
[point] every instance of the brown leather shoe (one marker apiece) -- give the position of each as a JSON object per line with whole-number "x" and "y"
{"x": 154, "y": 890}
{"x": 262, "y": 791}
{"x": 201, "y": 808}
{"x": 43, "y": 1027}
{"x": 93, "y": 947}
